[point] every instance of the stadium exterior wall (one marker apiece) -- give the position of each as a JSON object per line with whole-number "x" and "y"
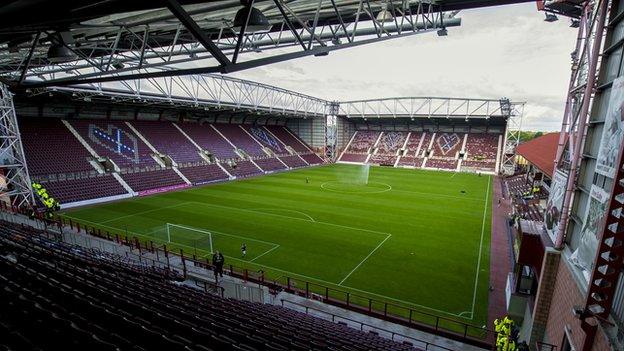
{"x": 562, "y": 323}
{"x": 570, "y": 284}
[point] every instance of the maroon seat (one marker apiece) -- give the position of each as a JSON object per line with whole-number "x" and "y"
{"x": 202, "y": 174}
{"x": 50, "y": 147}
{"x": 269, "y": 164}
{"x": 237, "y": 136}
{"x": 167, "y": 139}
{"x": 72, "y": 190}
{"x": 150, "y": 180}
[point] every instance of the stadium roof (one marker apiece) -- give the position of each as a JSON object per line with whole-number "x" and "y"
{"x": 541, "y": 152}
{"x": 55, "y": 42}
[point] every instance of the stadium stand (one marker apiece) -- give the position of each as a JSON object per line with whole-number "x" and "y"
{"x": 391, "y": 143}
{"x": 441, "y": 163}
{"x": 60, "y": 296}
{"x": 530, "y": 211}
{"x": 289, "y": 139}
{"x": 72, "y": 178}
{"x": 386, "y": 160}
{"x": 152, "y": 179}
{"x": 203, "y": 173}
{"x": 481, "y": 151}
{"x": 80, "y": 189}
{"x": 411, "y": 161}
{"x": 267, "y": 139}
{"x": 208, "y": 139}
{"x": 518, "y": 186}
{"x": 168, "y": 140}
{"x": 388, "y": 148}
{"x": 444, "y": 151}
{"x": 269, "y": 164}
{"x": 447, "y": 145}
{"x": 241, "y": 168}
{"x": 51, "y": 149}
{"x": 525, "y": 201}
{"x": 424, "y": 149}
{"x": 237, "y": 136}
{"x": 312, "y": 158}
{"x": 116, "y": 141}
{"x": 410, "y": 158}
{"x": 293, "y": 161}
{"x": 297, "y": 144}
{"x": 359, "y": 148}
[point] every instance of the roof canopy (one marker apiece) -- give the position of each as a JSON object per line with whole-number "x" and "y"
{"x": 541, "y": 152}
{"x": 52, "y": 42}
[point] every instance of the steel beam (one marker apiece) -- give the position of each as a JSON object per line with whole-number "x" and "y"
{"x": 197, "y": 32}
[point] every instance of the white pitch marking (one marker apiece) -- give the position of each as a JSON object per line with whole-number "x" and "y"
{"x": 295, "y": 218}
{"x": 465, "y": 312}
{"x": 266, "y": 252}
{"x": 365, "y": 258}
{"x": 349, "y": 287}
{"x": 474, "y": 296}
{"x": 296, "y": 274}
{"x": 283, "y": 209}
{"x": 143, "y": 212}
{"x": 348, "y": 227}
{"x": 226, "y": 234}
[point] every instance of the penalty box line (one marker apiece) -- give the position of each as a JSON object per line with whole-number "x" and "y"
{"x": 148, "y": 235}
{"x": 275, "y": 246}
{"x": 365, "y": 258}
{"x": 295, "y": 274}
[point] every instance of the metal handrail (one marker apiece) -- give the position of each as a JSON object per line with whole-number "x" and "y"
{"x": 362, "y": 324}
{"x": 349, "y": 295}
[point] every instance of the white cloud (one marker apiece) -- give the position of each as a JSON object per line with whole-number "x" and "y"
{"x": 506, "y": 51}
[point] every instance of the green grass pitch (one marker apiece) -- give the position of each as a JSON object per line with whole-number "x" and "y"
{"x": 419, "y": 239}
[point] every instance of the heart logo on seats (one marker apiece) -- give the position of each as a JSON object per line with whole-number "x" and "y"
{"x": 447, "y": 142}
{"x": 115, "y": 140}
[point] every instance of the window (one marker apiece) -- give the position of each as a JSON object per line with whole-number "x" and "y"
{"x": 566, "y": 345}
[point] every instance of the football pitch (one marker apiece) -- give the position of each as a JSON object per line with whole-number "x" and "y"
{"x": 415, "y": 238}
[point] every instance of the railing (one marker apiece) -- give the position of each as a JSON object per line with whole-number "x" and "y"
{"x": 424, "y": 345}
{"x": 395, "y": 313}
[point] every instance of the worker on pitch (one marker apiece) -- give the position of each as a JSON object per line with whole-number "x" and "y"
{"x": 244, "y": 250}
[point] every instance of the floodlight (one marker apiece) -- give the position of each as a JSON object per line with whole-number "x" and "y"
{"x": 60, "y": 53}
{"x": 574, "y": 23}
{"x": 257, "y": 20}
{"x": 442, "y": 32}
{"x": 117, "y": 64}
{"x": 385, "y": 15}
{"x": 551, "y": 17}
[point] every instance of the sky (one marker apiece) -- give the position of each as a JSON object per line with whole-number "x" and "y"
{"x": 506, "y": 51}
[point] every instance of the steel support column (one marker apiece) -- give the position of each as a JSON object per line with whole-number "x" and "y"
{"x": 515, "y": 114}
{"x": 578, "y": 121}
{"x": 12, "y": 161}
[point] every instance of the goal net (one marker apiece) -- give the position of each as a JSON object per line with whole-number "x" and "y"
{"x": 203, "y": 241}
{"x": 190, "y": 237}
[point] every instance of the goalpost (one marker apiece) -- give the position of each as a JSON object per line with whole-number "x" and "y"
{"x": 180, "y": 234}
